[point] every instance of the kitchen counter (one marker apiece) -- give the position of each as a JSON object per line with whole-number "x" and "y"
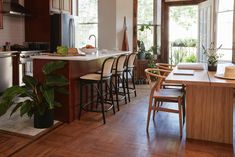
{"x": 97, "y": 55}
{"x": 8, "y": 52}
{"x": 75, "y": 67}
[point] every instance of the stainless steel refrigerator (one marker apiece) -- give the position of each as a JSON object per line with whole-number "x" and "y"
{"x": 62, "y": 31}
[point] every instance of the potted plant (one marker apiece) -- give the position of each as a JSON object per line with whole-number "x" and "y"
{"x": 140, "y": 43}
{"x": 212, "y": 56}
{"x": 155, "y": 50}
{"x": 38, "y": 98}
{"x": 141, "y": 49}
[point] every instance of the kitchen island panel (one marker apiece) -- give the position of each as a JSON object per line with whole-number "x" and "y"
{"x": 72, "y": 71}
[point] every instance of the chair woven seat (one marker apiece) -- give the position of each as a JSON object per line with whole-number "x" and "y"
{"x": 95, "y": 77}
{"x": 170, "y": 94}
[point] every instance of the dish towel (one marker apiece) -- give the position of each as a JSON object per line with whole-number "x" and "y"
{"x": 191, "y": 66}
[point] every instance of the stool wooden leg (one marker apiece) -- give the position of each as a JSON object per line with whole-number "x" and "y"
{"x": 127, "y": 86}
{"x": 123, "y": 86}
{"x": 80, "y": 109}
{"x": 116, "y": 91}
{"x": 111, "y": 94}
{"x": 102, "y": 101}
{"x": 133, "y": 81}
{"x": 92, "y": 96}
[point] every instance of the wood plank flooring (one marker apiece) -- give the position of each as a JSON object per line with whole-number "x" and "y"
{"x": 124, "y": 135}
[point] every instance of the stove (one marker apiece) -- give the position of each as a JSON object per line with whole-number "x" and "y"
{"x": 26, "y": 63}
{"x": 27, "y": 50}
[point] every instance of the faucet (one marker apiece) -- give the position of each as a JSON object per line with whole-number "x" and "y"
{"x": 94, "y": 37}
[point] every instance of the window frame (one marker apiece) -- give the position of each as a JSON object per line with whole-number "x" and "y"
{"x": 216, "y": 13}
{"x": 155, "y": 25}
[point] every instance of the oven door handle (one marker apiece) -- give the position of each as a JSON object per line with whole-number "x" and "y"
{"x": 6, "y": 56}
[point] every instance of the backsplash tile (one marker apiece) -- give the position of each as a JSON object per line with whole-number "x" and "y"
{"x": 13, "y": 30}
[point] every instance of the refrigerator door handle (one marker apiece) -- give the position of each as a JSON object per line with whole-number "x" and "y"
{"x": 71, "y": 33}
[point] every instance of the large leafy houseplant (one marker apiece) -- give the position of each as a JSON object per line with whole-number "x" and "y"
{"x": 37, "y": 98}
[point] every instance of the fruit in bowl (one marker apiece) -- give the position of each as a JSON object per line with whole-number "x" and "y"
{"x": 62, "y": 50}
{"x": 89, "y": 46}
{"x": 88, "y": 49}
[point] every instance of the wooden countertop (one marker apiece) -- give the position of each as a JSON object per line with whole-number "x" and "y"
{"x": 97, "y": 55}
{"x": 200, "y": 77}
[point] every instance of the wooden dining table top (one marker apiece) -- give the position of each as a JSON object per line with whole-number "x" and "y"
{"x": 199, "y": 77}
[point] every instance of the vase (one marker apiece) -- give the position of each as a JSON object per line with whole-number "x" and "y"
{"x": 212, "y": 67}
{"x": 45, "y": 120}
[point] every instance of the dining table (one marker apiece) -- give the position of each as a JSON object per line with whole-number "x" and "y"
{"x": 209, "y": 104}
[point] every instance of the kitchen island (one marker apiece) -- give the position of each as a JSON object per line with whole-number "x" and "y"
{"x": 76, "y": 67}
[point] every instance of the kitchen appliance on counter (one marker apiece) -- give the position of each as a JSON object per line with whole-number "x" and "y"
{"x": 63, "y": 28}
{"x": 6, "y": 75}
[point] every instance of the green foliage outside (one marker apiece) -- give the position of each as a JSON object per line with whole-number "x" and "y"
{"x": 185, "y": 43}
{"x": 182, "y": 54}
{"x": 184, "y": 16}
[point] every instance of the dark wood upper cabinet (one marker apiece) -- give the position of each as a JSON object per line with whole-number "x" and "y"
{"x": 61, "y": 6}
{"x": 38, "y": 25}
{"x": 1, "y": 16}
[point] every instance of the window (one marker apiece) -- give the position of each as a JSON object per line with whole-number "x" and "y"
{"x": 224, "y": 31}
{"x": 149, "y": 15}
{"x": 87, "y": 22}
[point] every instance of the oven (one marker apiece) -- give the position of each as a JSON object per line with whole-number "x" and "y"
{"x": 26, "y": 64}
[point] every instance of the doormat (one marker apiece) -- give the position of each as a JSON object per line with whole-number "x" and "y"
{"x": 22, "y": 126}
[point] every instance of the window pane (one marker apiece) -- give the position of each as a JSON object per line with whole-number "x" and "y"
{"x": 225, "y": 29}
{"x": 145, "y": 11}
{"x": 147, "y": 37}
{"x": 83, "y": 32}
{"x": 225, "y": 5}
{"x": 88, "y": 11}
{"x": 226, "y": 55}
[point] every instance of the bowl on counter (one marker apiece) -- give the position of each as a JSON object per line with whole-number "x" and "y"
{"x": 88, "y": 51}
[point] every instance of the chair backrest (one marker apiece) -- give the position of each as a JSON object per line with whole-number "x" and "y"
{"x": 164, "y": 66}
{"x": 120, "y": 63}
{"x": 107, "y": 67}
{"x": 159, "y": 75}
{"x": 131, "y": 60}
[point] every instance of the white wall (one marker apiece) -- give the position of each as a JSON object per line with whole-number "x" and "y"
{"x": 124, "y": 8}
{"x": 107, "y": 24}
{"x": 13, "y": 30}
{"x": 111, "y": 18}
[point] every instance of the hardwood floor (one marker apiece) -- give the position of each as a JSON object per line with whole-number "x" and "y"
{"x": 124, "y": 135}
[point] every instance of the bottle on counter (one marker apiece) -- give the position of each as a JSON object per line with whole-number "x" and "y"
{"x": 8, "y": 46}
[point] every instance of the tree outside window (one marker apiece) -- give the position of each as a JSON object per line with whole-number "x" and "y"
{"x": 87, "y": 22}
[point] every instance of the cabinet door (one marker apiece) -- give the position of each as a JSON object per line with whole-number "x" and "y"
{"x": 66, "y": 6}
{"x": 55, "y": 5}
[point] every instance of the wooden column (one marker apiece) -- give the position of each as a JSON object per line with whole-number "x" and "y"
{"x": 1, "y": 16}
{"x": 233, "y": 48}
{"x": 135, "y": 11}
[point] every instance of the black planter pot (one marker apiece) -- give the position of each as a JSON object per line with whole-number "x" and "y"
{"x": 44, "y": 121}
{"x": 212, "y": 68}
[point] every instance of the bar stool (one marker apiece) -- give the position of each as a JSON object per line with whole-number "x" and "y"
{"x": 104, "y": 78}
{"x": 129, "y": 70}
{"x": 119, "y": 78}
